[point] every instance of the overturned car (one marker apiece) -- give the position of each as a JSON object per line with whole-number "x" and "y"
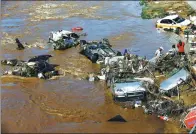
{"x": 97, "y": 50}
{"x": 35, "y": 67}
{"x": 63, "y": 39}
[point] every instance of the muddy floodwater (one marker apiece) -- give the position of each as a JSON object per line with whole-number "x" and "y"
{"x": 70, "y": 103}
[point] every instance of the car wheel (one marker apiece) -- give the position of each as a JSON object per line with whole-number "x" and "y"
{"x": 94, "y": 58}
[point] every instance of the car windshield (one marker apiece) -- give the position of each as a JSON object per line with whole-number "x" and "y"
{"x": 178, "y": 19}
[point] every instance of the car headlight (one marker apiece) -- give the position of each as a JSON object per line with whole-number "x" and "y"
{"x": 119, "y": 90}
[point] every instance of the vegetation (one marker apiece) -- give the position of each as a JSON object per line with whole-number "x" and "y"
{"x": 159, "y": 9}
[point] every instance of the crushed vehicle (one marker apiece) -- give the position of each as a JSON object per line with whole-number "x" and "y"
{"x": 35, "y": 67}
{"x": 97, "y": 50}
{"x": 163, "y": 108}
{"x": 62, "y": 39}
{"x": 129, "y": 86}
{"x": 174, "y": 22}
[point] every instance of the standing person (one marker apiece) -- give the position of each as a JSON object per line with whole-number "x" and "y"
{"x": 158, "y": 52}
{"x": 180, "y": 46}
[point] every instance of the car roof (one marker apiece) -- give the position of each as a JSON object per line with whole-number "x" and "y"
{"x": 171, "y": 17}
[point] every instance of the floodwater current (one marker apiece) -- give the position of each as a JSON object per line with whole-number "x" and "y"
{"x": 70, "y": 103}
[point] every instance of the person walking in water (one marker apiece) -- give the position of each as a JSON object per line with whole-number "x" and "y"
{"x": 180, "y": 46}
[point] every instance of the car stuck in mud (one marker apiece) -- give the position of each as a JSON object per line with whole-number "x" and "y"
{"x": 97, "y": 50}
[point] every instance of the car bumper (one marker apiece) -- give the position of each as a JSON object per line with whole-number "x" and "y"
{"x": 129, "y": 97}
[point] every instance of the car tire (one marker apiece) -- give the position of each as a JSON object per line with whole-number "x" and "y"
{"x": 94, "y": 58}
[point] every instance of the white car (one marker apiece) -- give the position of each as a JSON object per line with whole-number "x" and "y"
{"x": 130, "y": 88}
{"x": 173, "y": 22}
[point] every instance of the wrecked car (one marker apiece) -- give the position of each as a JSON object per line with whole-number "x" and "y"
{"x": 63, "y": 39}
{"x": 34, "y": 67}
{"x": 125, "y": 85}
{"x": 97, "y": 50}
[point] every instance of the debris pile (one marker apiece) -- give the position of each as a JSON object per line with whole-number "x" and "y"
{"x": 132, "y": 79}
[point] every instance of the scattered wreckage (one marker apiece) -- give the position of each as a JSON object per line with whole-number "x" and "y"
{"x": 163, "y": 108}
{"x": 36, "y": 66}
{"x": 168, "y": 63}
{"x": 97, "y": 50}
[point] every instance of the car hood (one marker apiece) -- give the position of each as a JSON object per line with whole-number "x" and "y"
{"x": 185, "y": 22}
{"x": 129, "y": 87}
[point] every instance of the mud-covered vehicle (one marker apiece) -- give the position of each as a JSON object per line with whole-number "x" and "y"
{"x": 129, "y": 86}
{"x": 97, "y": 50}
{"x": 63, "y": 39}
{"x": 35, "y": 67}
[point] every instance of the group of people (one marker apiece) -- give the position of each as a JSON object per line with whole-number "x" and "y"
{"x": 180, "y": 50}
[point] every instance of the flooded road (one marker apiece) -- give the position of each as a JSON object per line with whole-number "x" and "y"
{"x": 69, "y": 103}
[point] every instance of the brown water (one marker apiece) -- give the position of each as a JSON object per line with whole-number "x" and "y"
{"x": 69, "y": 103}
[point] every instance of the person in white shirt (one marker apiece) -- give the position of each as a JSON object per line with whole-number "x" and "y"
{"x": 158, "y": 52}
